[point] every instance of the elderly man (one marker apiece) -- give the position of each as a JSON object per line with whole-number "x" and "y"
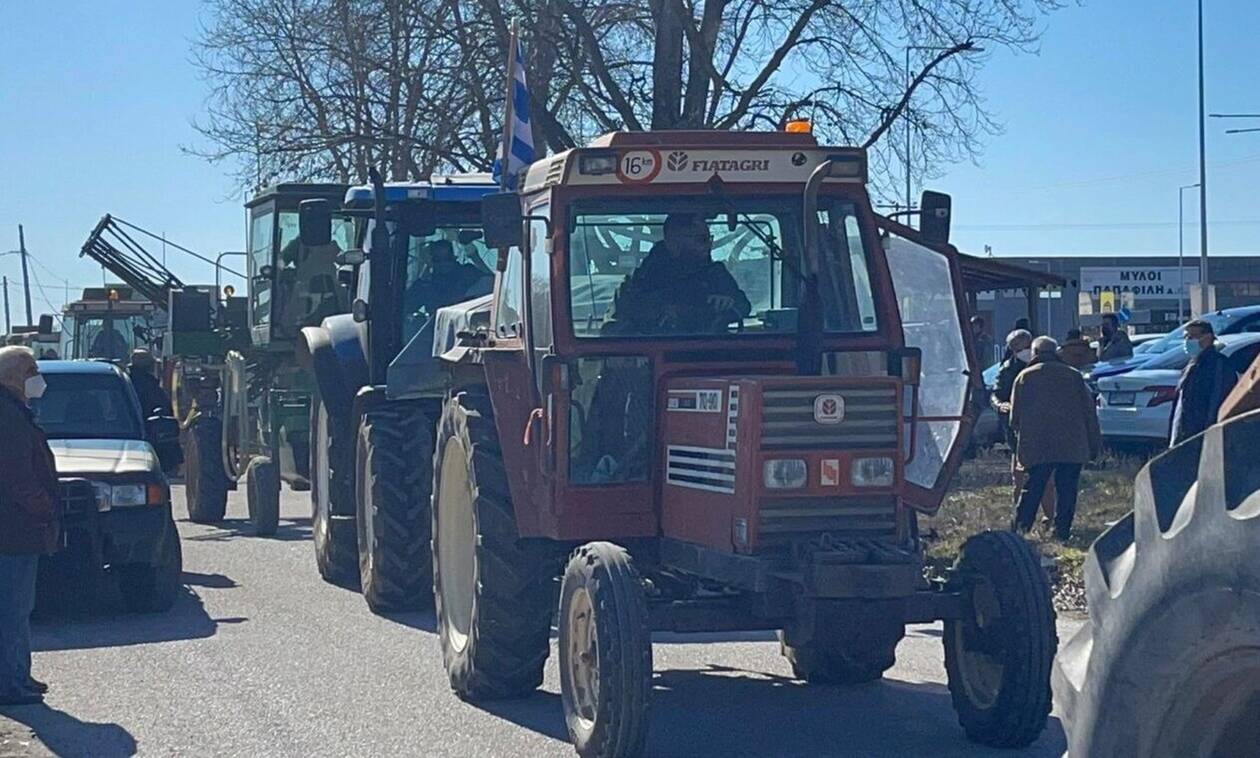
{"x": 1052, "y": 413}
{"x": 29, "y": 520}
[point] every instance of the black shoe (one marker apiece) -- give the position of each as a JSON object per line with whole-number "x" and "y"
{"x": 22, "y": 698}
{"x": 36, "y": 685}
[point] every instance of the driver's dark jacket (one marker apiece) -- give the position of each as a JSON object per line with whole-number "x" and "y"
{"x": 437, "y": 290}
{"x": 30, "y": 509}
{"x": 669, "y": 293}
{"x": 153, "y": 399}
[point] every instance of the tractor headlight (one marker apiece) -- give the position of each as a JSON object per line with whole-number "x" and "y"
{"x": 784, "y": 474}
{"x": 872, "y": 472}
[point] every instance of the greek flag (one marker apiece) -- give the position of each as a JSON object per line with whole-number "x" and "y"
{"x": 518, "y": 136}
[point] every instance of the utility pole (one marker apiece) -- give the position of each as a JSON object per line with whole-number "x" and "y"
{"x": 1181, "y": 252}
{"x": 26, "y": 277}
{"x": 1203, "y": 228}
{"x": 7, "y": 327}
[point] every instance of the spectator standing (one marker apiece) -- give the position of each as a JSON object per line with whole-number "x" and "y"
{"x": 1076, "y": 352}
{"x": 1205, "y": 382}
{"x": 29, "y": 520}
{"x": 1114, "y": 343}
{"x": 982, "y": 341}
{"x": 1053, "y": 415}
{"x": 1019, "y": 355}
{"x": 153, "y": 399}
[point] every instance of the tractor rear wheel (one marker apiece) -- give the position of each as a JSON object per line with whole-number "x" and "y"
{"x": 392, "y": 478}
{"x": 332, "y": 493}
{"x": 605, "y": 652}
{"x": 853, "y": 642}
{"x": 262, "y": 495}
{"x": 998, "y": 657}
{"x": 494, "y": 593}
{"x": 1168, "y": 664}
{"x": 205, "y": 481}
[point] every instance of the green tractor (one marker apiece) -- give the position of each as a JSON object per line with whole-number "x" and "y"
{"x": 242, "y": 400}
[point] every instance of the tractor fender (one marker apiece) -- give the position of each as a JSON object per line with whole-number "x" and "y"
{"x": 334, "y": 353}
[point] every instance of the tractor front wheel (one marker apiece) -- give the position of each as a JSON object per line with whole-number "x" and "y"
{"x": 998, "y": 656}
{"x": 205, "y": 481}
{"x": 262, "y": 495}
{"x": 605, "y": 652}
{"x": 335, "y": 539}
{"x": 494, "y": 593}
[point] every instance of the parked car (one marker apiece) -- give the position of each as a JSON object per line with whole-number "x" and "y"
{"x": 117, "y": 499}
{"x": 1242, "y": 320}
{"x": 1137, "y": 406}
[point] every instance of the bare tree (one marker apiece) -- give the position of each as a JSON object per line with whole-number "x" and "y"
{"x": 324, "y": 88}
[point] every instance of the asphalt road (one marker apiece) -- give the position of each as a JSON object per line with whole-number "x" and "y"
{"x": 260, "y": 657}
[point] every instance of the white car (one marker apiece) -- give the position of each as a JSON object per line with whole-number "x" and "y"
{"x": 1137, "y": 406}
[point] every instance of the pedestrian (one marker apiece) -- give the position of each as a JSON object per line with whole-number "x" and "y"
{"x": 1076, "y": 352}
{"x": 1114, "y": 344}
{"x": 982, "y": 341}
{"x": 1205, "y": 382}
{"x": 1053, "y": 415}
{"x": 153, "y": 399}
{"x": 1019, "y": 355}
{"x": 29, "y": 520}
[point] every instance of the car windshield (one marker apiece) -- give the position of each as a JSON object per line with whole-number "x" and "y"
{"x": 87, "y": 406}
{"x": 724, "y": 266}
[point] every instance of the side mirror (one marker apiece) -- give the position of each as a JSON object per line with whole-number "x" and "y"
{"x": 315, "y": 222}
{"x": 161, "y": 430}
{"x": 502, "y": 220}
{"x": 935, "y": 209}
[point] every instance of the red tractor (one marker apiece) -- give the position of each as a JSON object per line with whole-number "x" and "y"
{"x": 714, "y": 392}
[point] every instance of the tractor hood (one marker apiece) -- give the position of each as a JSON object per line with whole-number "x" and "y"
{"x": 96, "y": 457}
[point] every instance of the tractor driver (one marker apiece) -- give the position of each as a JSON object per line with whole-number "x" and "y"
{"x": 443, "y": 282}
{"x": 679, "y": 288}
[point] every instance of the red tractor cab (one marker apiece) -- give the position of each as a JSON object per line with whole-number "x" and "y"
{"x": 715, "y": 391}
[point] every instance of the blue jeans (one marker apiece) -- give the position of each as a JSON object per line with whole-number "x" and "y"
{"x": 17, "y": 600}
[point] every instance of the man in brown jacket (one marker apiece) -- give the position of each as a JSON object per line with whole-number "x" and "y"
{"x": 1054, "y": 417}
{"x": 29, "y": 520}
{"x": 1076, "y": 352}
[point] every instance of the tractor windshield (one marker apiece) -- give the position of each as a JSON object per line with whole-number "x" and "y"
{"x": 111, "y": 337}
{"x": 725, "y": 265}
{"x": 448, "y": 266}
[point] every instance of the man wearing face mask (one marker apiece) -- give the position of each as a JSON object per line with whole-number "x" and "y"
{"x": 1115, "y": 344}
{"x": 1018, "y": 355}
{"x": 1205, "y": 383}
{"x": 29, "y": 520}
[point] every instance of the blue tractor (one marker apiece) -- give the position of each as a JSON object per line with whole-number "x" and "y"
{"x": 421, "y": 274}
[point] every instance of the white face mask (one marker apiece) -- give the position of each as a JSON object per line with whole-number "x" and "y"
{"x": 1025, "y": 355}
{"x": 35, "y": 386}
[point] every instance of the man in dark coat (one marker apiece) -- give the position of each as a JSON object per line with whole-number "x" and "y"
{"x": 153, "y": 399}
{"x": 1205, "y": 382}
{"x": 679, "y": 288}
{"x": 1115, "y": 343}
{"x": 1054, "y": 418}
{"x": 29, "y": 520}
{"x": 445, "y": 280}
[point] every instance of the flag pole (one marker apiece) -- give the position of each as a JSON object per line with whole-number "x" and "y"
{"x": 504, "y": 155}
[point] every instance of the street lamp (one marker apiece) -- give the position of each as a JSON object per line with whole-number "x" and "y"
{"x": 1203, "y": 229}
{"x": 1181, "y": 243}
{"x": 906, "y": 111}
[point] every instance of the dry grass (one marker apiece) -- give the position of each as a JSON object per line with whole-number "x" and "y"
{"x": 981, "y": 499}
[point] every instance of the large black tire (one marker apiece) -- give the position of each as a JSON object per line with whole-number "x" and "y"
{"x": 332, "y": 494}
{"x": 392, "y": 477}
{"x": 495, "y": 595}
{"x": 605, "y": 652}
{"x": 1169, "y": 662}
{"x": 262, "y": 495}
{"x": 998, "y": 657}
{"x": 153, "y": 588}
{"x": 205, "y": 481}
{"x": 853, "y": 642}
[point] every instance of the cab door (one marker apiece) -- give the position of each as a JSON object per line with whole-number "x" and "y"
{"x": 927, "y": 281}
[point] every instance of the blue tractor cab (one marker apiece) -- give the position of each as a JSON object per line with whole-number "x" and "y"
{"x": 420, "y": 272}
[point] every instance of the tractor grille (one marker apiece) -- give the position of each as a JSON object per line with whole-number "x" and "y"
{"x": 785, "y": 521}
{"x": 870, "y": 420}
{"x": 77, "y": 496}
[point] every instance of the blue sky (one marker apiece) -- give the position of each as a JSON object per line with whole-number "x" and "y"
{"x": 97, "y": 99}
